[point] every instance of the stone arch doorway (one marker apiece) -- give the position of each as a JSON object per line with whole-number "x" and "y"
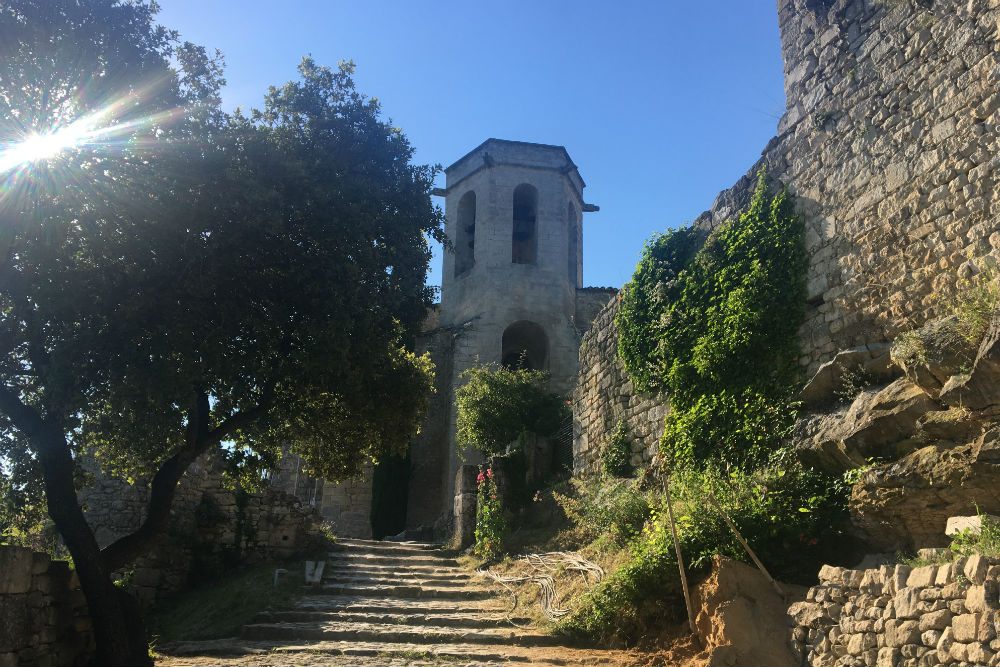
{"x": 524, "y": 345}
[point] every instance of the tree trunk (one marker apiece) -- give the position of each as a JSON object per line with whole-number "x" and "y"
{"x": 118, "y": 628}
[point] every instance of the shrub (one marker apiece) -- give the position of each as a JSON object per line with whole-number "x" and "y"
{"x": 496, "y": 405}
{"x": 490, "y": 522}
{"x": 791, "y": 516}
{"x": 986, "y": 541}
{"x": 978, "y": 304}
{"x": 616, "y": 459}
{"x": 616, "y": 508}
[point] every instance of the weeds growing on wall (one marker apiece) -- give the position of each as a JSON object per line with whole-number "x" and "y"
{"x": 715, "y": 327}
{"x": 616, "y": 459}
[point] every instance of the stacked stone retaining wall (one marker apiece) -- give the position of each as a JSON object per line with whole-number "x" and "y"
{"x": 43, "y": 615}
{"x": 901, "y": 616}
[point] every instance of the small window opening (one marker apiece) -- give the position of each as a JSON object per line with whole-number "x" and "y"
{"x": 465, "y": 241}
{"x": 524, "y": 242}
{"x": 573, "y": 256}
{"x": 524, "y": 345}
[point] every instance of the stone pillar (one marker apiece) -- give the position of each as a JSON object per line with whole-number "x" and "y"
{"x": 465, "y": 505}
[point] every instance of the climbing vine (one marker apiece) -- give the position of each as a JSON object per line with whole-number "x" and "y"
{"x": 490, "y": 522}
{"x": 712, "y": 321}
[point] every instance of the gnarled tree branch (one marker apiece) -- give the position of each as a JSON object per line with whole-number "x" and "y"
{"x": 199, "y": 440}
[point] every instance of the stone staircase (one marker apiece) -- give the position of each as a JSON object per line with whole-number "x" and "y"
{"x": 408, "y": 601}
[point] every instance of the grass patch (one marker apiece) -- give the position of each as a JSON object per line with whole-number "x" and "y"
{"x": 221, "y": 608}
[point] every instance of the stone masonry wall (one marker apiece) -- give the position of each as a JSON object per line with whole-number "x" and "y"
{"x": 604, "y": 396}
{"x": 43, "y": 615}
{"x": 211, "y": 527}
{"x": 889, "y": 144}
{"x": 897, "y": 616}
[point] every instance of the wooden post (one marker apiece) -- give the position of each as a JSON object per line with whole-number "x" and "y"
{"x": 680, "y": 560}
{"x": 736, "y": 532}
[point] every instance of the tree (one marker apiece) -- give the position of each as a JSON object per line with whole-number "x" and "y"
{"x": 174, "y": 281}
{"x": 497, "y": 405}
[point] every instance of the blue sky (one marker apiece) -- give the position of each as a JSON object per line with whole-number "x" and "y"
{"x": 660, "y": 103}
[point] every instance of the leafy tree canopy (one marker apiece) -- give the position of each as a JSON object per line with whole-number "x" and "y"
{"x": 173, "y": 278}
{"x": 496, "y": 405}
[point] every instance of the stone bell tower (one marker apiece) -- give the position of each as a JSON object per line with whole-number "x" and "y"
{"x": 510, "y": 283}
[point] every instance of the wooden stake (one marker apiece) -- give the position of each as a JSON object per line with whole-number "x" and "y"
{"x": 680, "y": 560}
{"x": 736, "y": 532}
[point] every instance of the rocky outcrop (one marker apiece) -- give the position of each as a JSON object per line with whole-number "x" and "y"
{"x": 930, "y": 438}
{"x": 932, "y": 354}
{"x": 979, "y": 390}
{"x": 906, "y": 503}
{"x": 881, "y": 423}
{"x": 868, "y": 364}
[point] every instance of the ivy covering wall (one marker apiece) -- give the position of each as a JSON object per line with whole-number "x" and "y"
{"x": 712, "y": 321}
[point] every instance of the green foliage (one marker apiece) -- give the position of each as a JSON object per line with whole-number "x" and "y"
{"x": 978, "y": 303}
{"x": 490, "y": 522}
{"x": 616, "y": 459}
{"x": 791, "y": 516}
{"x": 656, "y": 283}
{"x": 739, "y": 429}
{"x": 985, "y": 541}
{"x": 187, "y": 278}
{"x": 716, "y": 328}
{"x": 496, "y": 405}
{"x": 614, "y": 508}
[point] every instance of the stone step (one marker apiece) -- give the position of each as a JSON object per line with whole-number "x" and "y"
{"x": 418, "y": 618}
{"x": 391, "y": 633}
{"x": 395, "y": 581}
{"x": 401, "y": 547}
{"x": 391, "y": 573}
{"x": 415, "y": 654}
{"x": 350, "y": 558}
{"x": 408, "y": 592}
{"x": 397, "y": 605}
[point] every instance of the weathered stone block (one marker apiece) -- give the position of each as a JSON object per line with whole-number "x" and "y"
{"x": 16, "y": 564}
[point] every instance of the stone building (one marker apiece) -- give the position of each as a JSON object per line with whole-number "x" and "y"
{"x": 511, "y": 293}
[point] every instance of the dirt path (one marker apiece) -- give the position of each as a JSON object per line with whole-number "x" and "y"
{"x": 389, "y": 604}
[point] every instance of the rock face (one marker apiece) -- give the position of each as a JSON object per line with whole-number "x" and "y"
{"x": 906, "y": 503}
{"x": 930, "y": 355}
{"x": 897, "y": 616}
{"x": 979, "y": 391}
{"x": 870, "y": 363}
{"x": 880, "y": 423}
{"x": 741, "y": 619}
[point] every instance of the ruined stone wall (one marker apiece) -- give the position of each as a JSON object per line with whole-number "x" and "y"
{"x": 211, "y": 527}
{"x": 347, "y": 506}
{"x": 898, "y": 616}
{"x": 604, "y": 396}
{"x": 890, "y": 145}
{"x": 43, "y": 615}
